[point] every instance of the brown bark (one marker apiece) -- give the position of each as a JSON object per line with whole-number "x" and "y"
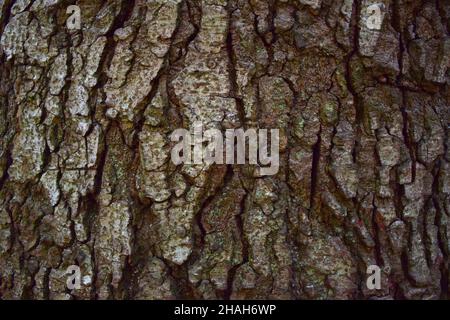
{"x": 85, "y": 171}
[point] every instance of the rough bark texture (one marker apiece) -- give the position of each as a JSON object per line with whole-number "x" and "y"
{"x": 85, "y": 170}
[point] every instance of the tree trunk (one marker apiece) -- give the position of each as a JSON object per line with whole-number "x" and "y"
{"x": 86, "y": 176}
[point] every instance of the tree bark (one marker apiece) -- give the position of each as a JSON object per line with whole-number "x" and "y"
{"x": 86, "y": 177}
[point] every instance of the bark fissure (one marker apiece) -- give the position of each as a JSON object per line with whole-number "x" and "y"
{"x": 87, "y": 179}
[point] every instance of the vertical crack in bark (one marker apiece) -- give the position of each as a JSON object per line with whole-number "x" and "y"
{"x": 5, "y": 15}
{"x": 398, "y": 194}
{"x": 441, "y": 236}
{"x": 239, "y": 219}
{"x": 232, "y": 67}
{"x": 315, "y": 170}
{"x": 9, "y": 161}
{"x": 399, "y": 79}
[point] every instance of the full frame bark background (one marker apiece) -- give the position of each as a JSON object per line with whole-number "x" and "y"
{"x": 85, "y": 170}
